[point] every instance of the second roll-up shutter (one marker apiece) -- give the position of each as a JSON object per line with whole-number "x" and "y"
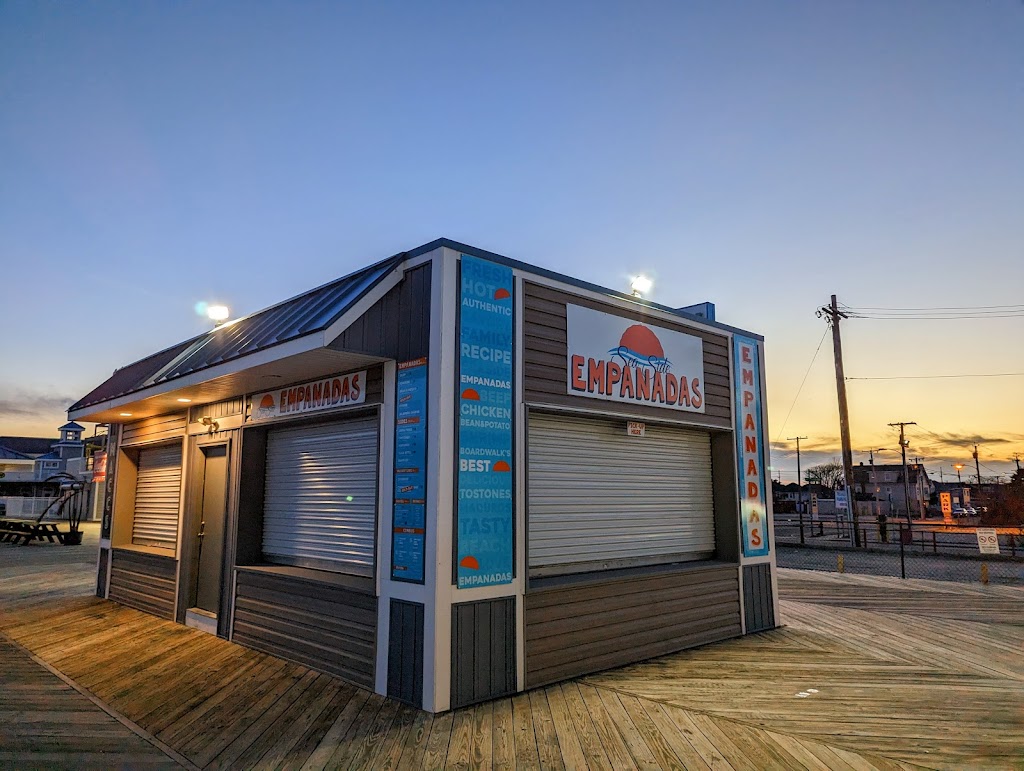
{"x": 157, "y": 496}
{"x": 601, "y": 499}
{"x": 320, "y": 506}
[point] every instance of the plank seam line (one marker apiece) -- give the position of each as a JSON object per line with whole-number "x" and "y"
{"x": 131, "y": 726}
{"x": 828, "y": 741}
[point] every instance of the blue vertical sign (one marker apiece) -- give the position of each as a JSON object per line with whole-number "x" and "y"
{"x": 484, "y": 519}
{"x": 409, "y": 524}
{"x": 749, "y": 447}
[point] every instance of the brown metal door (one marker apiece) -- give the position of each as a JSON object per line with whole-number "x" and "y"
{"x": 211, "y": 529}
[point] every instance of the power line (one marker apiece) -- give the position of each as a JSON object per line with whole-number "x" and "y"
{"x": 936, "y": 308}
{"x": 801, "y": 388}
{"x": 935, "y": 317}
{"x": 933, "y": 377}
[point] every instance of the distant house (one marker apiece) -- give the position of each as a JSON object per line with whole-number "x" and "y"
{"x": 883, "y": 483}
{"x": 26, "y": 462}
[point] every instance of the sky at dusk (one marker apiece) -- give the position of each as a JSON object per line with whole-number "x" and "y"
{"x": 759, "y": 155}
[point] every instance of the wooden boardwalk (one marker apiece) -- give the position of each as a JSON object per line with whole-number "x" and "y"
{"x": 868, "y": 673}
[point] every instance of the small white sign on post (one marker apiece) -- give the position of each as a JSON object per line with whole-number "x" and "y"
{"x": 814, "y": 506}
{"x": 988, "y": 541}
{"x": 842, "y": 500}
{"x": 635, "y": 428}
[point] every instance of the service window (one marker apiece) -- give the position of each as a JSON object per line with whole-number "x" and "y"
{"x": 320, "y": 502}
{"x": 157, "y": 497}
{"x": 601, "y": 499}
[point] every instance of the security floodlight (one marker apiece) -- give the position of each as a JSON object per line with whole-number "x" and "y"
{"x": 218, "y": 313}
{"x": 640, "y": 285}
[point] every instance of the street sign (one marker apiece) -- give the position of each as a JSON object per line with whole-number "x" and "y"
{"x": 988, "y": 541}
{"x": 946, "y": 502}
{"x": 842, "y": 500}
{"x": 814, "y": 507}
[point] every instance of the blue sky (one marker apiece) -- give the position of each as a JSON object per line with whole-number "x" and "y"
{"x": 759, "y": 155}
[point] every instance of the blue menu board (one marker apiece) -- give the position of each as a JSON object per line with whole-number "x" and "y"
{"x": 409, "y": 523}
{"x": 484, "y": 519}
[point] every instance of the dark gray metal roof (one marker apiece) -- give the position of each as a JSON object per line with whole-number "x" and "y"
{"x": 8, "y": 454}
{"x": 309, "y": 312}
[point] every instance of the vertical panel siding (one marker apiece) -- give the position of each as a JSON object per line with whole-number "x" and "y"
{"x": 758, "y": 605}
{"x": 143, "y": 581}
{"x": 330, "y": 628}
{"x": 483, "y": 650}
{"x": 576, "y": 629}
{"x": 397, "y": 325}
{"x": 546, "y": 375}
{"x": 154, "y": 429}
{"x": 405, "y": 652}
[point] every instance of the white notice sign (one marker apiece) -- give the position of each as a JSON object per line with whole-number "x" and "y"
{"x": 633, "y": 428}
{"x": 988, "y": 540}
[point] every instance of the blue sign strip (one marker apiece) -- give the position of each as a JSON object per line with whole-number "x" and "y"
{"x": 408, "y": 534}
{"x": 484, "y": 519}
{"x": 750, "y": 447}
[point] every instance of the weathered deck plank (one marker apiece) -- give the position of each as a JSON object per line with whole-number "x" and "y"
{"x": 869, "y": 673}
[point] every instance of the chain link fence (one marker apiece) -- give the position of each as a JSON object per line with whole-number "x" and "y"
{"x": 922, "y": 549}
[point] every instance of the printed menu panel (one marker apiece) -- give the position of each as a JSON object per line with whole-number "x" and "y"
{"x": 484, "y": 519}
{"x": 409, "y": 521}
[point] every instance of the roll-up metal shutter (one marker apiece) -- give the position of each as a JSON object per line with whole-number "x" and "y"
{"x": 157, "y": 496}
{"x": 320, "y": 505}
{"x": 601, "y": 499}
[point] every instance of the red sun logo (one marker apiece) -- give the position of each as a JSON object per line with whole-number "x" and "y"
{"x": 501, "y": 294}
{"x": 502, "y": 466}
{"x": 469, "y": 562}
{"x": 642, "y": 341}
{"x": 267, "y": 402}
{"x": 471, "y": 394}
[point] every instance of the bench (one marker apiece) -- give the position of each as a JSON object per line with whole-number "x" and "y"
{"x": 24, "y": 531}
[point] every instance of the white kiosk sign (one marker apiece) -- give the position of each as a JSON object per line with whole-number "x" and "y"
{"x": 621, "y": 360}
{"x": 324, "y": 394}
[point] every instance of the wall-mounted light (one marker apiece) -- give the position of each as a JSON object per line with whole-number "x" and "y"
{"x": 640, "y": 285}
{"x": 209, "y": 422}
{"x": 125, "y": 414}
{"x": 184, "y": 401}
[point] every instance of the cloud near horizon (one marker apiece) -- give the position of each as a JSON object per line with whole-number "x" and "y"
{"x": 24, "y": 404}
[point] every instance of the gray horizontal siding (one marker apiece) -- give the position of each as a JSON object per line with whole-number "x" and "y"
{"x": 330, "y": 628}
{"x": 576, "y": 629}
{"x": 154, "y": 429}
{"x": 143, "y": 581}
{"x": 544, "y": 355}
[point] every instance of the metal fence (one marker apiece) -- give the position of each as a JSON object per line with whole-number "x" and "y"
{"x": 924, "y": 549}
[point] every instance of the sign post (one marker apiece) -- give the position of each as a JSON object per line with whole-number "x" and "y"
{"x": 946, "y": 502}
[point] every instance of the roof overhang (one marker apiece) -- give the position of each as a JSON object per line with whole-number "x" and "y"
{"x": 300, "y": 359}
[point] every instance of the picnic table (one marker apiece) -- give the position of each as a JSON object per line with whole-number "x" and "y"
{"x": 24, "y": 531}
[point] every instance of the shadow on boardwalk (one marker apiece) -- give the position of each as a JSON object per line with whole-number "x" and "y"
{"x": 868, "y": 673}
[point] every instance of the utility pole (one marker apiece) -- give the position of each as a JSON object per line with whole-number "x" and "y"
{"x": 977, "y": 466}
{"x": 799, "y": 484}
{"x": 833, "y": 315}
{"x": 903, "y": 451}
